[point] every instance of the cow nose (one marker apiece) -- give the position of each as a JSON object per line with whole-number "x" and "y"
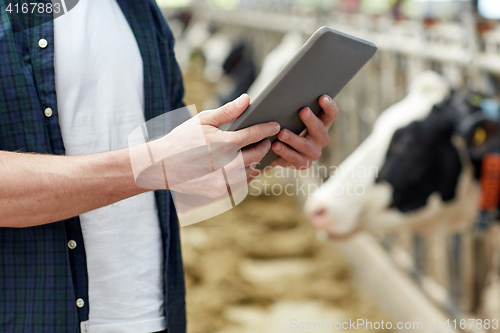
{"x": 319, "y": 217}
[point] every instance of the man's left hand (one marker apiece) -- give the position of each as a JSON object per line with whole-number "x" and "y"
{"x": 300, "y": 151}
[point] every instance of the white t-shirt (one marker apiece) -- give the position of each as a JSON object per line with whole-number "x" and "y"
{"x": 100, "y": 96}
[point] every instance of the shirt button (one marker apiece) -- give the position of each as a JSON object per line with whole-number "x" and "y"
{"x": 80, "y": 303}
{"x": 42, "y": 43}
{"x": 72, "y": 244}
{"x": 48, "y": 112}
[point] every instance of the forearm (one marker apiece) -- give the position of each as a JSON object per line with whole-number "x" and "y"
{"x": 40, "y": 189}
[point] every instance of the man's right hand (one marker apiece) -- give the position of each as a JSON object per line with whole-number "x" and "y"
{"x": 189, "y": 166}
{"x": 213, "y": 119}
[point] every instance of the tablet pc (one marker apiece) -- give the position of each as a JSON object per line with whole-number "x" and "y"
{"x": 324, "y": 65}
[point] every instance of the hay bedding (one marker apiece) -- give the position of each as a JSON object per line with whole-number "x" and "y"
{"x": 256, "y": 267}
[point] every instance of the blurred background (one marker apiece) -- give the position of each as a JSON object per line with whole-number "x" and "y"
{"x": 260, "y": 266}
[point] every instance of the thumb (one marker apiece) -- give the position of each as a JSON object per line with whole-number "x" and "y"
{"x": 228, "y": 112}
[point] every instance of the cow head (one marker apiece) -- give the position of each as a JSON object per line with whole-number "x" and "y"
{"x": 427, "y": 155}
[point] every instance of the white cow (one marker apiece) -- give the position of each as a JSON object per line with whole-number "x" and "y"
{"x": 352, "y": 199}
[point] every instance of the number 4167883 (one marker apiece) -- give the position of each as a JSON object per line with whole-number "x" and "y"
{"x": 472, "y": 323}
{"x": 34, "y": 7}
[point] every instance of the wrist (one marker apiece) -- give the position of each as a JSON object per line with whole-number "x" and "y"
{"x": 114, "y": 171}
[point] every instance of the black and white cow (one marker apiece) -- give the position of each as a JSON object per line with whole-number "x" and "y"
{"x": 229, "y": 64}
{"x": 415, "y": 167}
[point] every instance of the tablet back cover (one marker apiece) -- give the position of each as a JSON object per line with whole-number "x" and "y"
{"x": 324, "y": 65}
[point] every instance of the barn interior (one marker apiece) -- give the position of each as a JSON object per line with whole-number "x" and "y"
{"x": 263, "y": 266}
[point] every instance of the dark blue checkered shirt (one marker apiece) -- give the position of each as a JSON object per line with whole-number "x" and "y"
{"x": 40, "y": 276}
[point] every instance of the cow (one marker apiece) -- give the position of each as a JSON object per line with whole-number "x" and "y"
{"x": 421, "y": 164}
{"x": 229, "y": 64}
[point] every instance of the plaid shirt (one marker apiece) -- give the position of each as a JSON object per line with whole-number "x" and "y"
{"x": 41, "y": 278}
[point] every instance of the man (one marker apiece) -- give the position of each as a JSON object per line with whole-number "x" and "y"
{"x": 82, "y": 247}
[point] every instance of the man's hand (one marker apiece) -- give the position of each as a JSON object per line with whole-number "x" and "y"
{"x": 204, "y": 128}
{"x": 300, "y": 151}
{"x": 186, "y": 161}
{"x": 211, "y": 120}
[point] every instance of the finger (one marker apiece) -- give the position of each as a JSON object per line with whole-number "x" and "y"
{"x": 252, "y": 173}
{"x": 226, "y": 113}
{"x": 254, "y": 155}
{"x": 300, "y": 144}
{"x": 330, "y": 110}
{"x": 251, "y": 157}
{"x": 315, "y": 127}
{"x": 291, "y": 156}
{"x": 281, "y": 162}
{"x": 253, "y": 134}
